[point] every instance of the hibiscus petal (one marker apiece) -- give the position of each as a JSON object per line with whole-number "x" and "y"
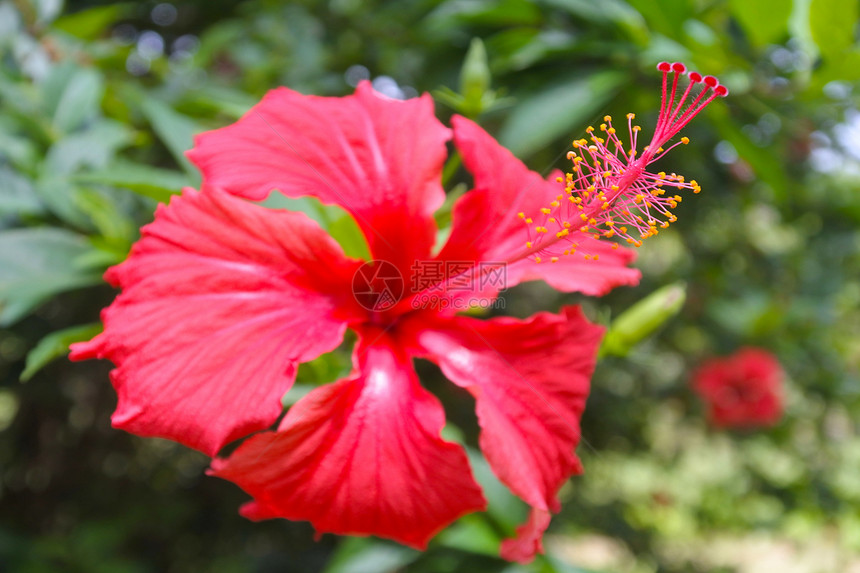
{"x": 378, "y": 158}
{"x": 530, "y": 380}
{"x": 360, "y": 456}
{"x": 221, "y": 300}
{"x": 486, "y": 226}
{"x": 529, "y": 538}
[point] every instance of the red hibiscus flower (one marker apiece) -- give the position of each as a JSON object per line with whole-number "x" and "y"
{"x": 222, "y": 299}
{"x": 743, "y": 390}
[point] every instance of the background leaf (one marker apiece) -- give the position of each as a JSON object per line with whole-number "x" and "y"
{"x": 36, "y": 264}
{"x": 557, "y": 110}
{"x": 56, "y": 345}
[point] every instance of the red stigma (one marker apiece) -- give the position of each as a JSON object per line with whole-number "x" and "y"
{"x": 676, "y": 112}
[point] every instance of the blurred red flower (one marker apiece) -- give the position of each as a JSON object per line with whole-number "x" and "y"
{"x": 743, "y": 390}
{"x": 222, "y": 299}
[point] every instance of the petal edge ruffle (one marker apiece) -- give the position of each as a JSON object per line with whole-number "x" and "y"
{"x": 360, "y": 456}
{"x": 530, "y": 380}
{"x": 378, "y": 158}
{"x": 221, "y": 300}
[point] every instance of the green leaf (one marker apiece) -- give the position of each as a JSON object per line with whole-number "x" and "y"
{"x": 339, "y": 224}
{"x": 175, "y": 130}
{"x": 345, "y": 231}
{"x": 764, "y": 21}
{"x": 608, "y": 12}
{"x": 159, "y": 184}
{"x": 310, "y": 206}
{"x": 91, "y": 23}
{"x": 558, "y": 110}
{"x": 105, "y": 215}
{"x": 21, "y": 152}
{"x": 832, "y": 24}
{"x": 56, "y": 345}
{"x": 666, "y": 16}
{"x": 93, "y": 147}
{"x": 73, "y": 96}
{"x": 471, "y": 533}
{"x": 36, "y": 264}
{"x": 362, "y": 555}
{"x": 444, "y": 214}
{"x": 17, "y": 196}
{"x": 503, "y": 506}
{"x": 643, "y": 318}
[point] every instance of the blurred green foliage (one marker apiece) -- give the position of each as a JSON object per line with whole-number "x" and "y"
{"x": 99, "y": 101}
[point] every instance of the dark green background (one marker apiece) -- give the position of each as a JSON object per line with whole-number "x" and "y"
{"x": 768, "y": 251}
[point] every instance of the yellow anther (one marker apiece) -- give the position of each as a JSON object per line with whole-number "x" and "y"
{"x": 559, "y": 179}
{"x": 596, "y": 257}
{"x": 615, "y": 187}
{"x": 589, "y": 129}
{"x": 551, "y": 219}
{"x": 592, "y": 221}
{"x": 528, "y": 244}
{"x": 631, "y": 116}
{"x": 537, "y": 259}
{"x": 545, "y": 210}
{"x": 607, "y": 118}
{"x": 554, "y": 260}
{"x": 610, "y": 131}
{"x": 521, "y": 215}
{"x": 638, "y": 128}
{"x": 614, "y": 246}
{"x": 605, "y": 206}
{"x": 554, "y": 204}
{"x": 602, "y": 127}
{"x": 529, "y": 220}
{"x": 587, "y": 257}
{"x": 685, "y": 140}
{"x": 562, "y": 233}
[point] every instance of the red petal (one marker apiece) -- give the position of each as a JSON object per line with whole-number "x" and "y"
{"x": 221, "y": 299}
{"x": 529, "y": 538}
{"x": 378, "y": 158}
{"x": 486, "y": 226}
{"x": 530, "y": 380}
{"x": 360, "y": 456}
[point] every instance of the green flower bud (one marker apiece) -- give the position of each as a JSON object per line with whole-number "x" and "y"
{"x": 643, "y": 318}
